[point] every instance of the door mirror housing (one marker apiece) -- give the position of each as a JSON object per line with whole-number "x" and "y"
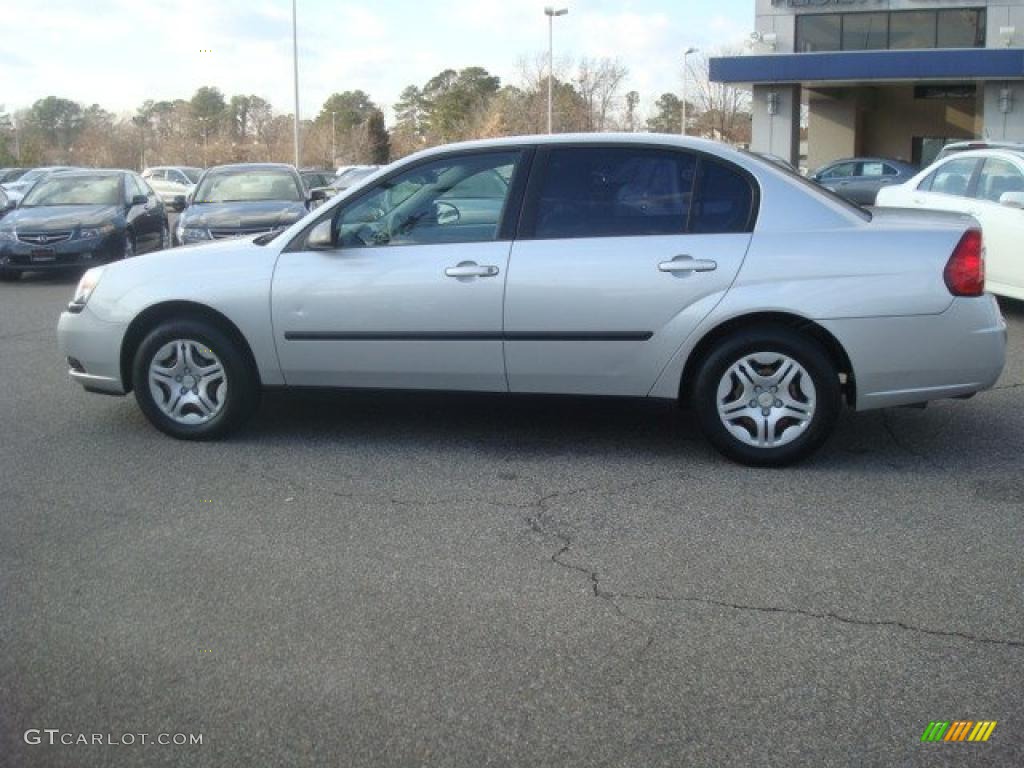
{"x": 178, "y": 203}
{"x": 138, "y": 200}
{"x": 1012, "y": 199}
{"x": 321, "y": 237}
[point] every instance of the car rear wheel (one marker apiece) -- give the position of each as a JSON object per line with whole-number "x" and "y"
{"x": 767, "y": 397}
{"x": 9, "y": 275}
{"x": 192, "y": 381}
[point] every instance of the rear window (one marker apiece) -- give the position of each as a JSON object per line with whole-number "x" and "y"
{"x": 815, "y": 187}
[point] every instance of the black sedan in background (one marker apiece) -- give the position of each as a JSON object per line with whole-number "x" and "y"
{"x": 241, "y": 200}
{"x": 79, "y": 219}
{"x": 860, "y": 178}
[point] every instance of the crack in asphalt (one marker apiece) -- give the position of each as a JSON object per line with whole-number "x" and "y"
{"x": 818, "y": 615}
{"x": 907, "y": 449}
{"x": 538, "y": 525}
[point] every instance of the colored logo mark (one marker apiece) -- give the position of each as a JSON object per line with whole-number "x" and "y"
{"x": 958, "y": 730}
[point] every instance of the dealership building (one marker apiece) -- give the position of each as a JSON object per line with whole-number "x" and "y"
{"x": 890, "y": 78}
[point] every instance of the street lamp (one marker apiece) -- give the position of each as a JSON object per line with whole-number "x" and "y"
{"x": 686, "y": 69}
{"x": 550, "y": 12}
{"x": 206, "y": 142}
{"x": 334, "y": 137}
{"x": 295, "y": 60}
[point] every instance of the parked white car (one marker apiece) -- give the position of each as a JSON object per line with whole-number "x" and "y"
{"x": 987, "y": 184}
{"x": 172, "y": 181}
{"x": 632, "y": 265}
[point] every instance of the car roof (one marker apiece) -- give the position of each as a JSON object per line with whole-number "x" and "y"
{"x": 251, "y": 167}
{"x": 667, "y": 140}
{"x": 93, "y": 172}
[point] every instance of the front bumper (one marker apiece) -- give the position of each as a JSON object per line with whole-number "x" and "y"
{"x": 69, "y": 253}
{"x": 93, "y": 349}
{"x": 912, "y": 360}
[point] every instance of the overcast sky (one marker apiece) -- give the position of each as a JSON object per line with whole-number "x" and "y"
{"x": 119, "y": 53}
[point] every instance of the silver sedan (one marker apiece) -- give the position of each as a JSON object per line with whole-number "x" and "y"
{"x": 632, "y": 266}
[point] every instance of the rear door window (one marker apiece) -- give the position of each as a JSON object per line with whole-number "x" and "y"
{"x": 615, "y": 192}
{"x": 723, "y": 202}
{"x": 998, "y": 177}
{"x": 951, "y": 178}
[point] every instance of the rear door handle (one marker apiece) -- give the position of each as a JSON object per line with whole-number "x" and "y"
{"x": 471, "y": 269}
{"x": 683, "y": 264}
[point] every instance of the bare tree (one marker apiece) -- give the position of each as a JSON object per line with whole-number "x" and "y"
{"x": 725, "y": 109}
{"x": 599, "y": 82}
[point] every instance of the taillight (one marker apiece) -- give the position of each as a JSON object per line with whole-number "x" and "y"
{"x": 965, "y": 271}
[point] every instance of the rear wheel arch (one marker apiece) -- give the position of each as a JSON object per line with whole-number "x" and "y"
{"x": 153, "y": 316}
{"x": 812, "y": 330}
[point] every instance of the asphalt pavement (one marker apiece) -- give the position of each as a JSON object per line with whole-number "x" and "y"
{"x": 436, "y": 580}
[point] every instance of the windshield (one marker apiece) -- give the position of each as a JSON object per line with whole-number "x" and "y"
{"x": 349, "y": 178}
{"x": 34, "y": 175}
{"x": 248, "y": 186}
{"x": 192, "y": 174}
{"x": 75, "y": 190}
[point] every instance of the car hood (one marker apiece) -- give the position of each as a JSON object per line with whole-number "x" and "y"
{"x": 264, "y": 213}
{"x": 62, "y": 217}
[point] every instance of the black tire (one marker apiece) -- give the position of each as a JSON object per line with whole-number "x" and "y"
{"x": 243, "y": 390}
{"x": 778, "y": 339}
{"x": 10, "y": 275}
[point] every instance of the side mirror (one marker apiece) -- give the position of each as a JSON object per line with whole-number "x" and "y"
{"x": 178, "y": 203}
{"x": 321, "y": 238}
{"x": 1012, "y": 199}
{"x": 318, "y": 195}
{"x": 138, "y": 200}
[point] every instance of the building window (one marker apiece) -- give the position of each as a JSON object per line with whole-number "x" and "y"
{"x": 866, "y": 32}
{"x": 961, "y": 29}
{"x": 819, "y": 32}
{"x": 899, "y": 30}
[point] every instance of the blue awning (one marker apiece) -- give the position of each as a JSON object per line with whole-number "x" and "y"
{"x": 857, "y": 66}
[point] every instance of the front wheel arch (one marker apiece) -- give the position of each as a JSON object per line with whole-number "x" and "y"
{"x": 153, "y": 316}
{"x": 802, "y": 325}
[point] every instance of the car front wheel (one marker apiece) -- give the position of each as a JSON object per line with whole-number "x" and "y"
{"x": 9, "y": 275}
{"x": 767, "y": 397}
{"x": 192, "y": 381}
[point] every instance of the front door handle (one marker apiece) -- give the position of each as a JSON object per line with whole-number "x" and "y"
{"x": 471, "y": 269}
{"x": 684, "y": 264}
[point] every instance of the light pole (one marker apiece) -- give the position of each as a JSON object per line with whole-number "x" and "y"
{"x": 334, "y": 137}
{"x": 206, "y": 142}
{"x": 686, "y": 72}
{"x": 295, "y": 58}
{"x": 550, "y": 12}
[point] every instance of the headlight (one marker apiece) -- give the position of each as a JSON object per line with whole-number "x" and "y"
{"x": 191, "y": 234}
{"x": 90, "y": 233}
{"x": 8, "y": 236}
{"x": 85, "y": 288}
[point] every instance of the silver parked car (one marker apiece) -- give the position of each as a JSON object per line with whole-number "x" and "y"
{"x": 636, "y": 266}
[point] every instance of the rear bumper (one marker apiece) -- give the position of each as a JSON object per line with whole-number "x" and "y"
{"x": 94, "y": 351}
{"x": 909, "y": 360}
